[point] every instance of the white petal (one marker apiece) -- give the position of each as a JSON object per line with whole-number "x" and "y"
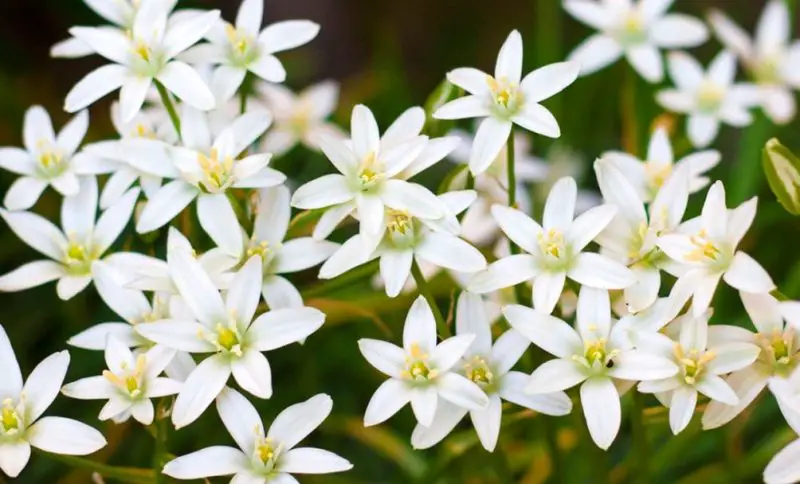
{"x": 590, "y": 13}
{"x": 715, "y": 388}
{"x": 471, "y": 318}
{"x": 288, "y": 34}
{"x": 506, "y": 272}
{"x": 685, "y": 71}
{"x": 588, "y": 225}
{"x": 180, "y": 335}
{"x": 509, "y": 59}
{"x": 395, "y": 267}
{"x": 595, "y": 53}
{"x": 681, "y": 408}
{"x": 419, "y": 327}
{"x": 765, "y": 312}
{"x": 729, "y": 357}
{"x": 520, "y": 228}
{"x": 731, "y": 35}
{"x": 17, "y": 161}
{"x": 599, "y": 271}
{"x": 511, "y": 389}
{"x": 114, "y": 220}
{"x": 165, "y": 205}
{"x": 677, "y": 31}
{"x": 187, "y": 85}
{"x": 747, "y": 275}
{"x": 65, "y": 436}
{"x": 68, "y": 286}
{"x": 547, "y": 289}
{"x": 555, "y": 375}
{"x": 322, "y": 192}
{"x": 354, "y": 252}
{"x": 646, "y": 60}
{"x": 387, "y": 400}
{"x": 471, "y": 80}
{"x": 538, "y": 119}
{"x": 644, "y": 292}
{"x": 601, "y": 409}
{"x": 423, "y": 403}
{"x": 702, "y": 129}
{"x": 487, "y": 423}
{"x": 37, "y": 232}
{"x": 464, "y": 107}
{"x": 218, "y": 220}
{"x": 492, "y": 134}
{"x": 200, "y": 389}
{"x": 187, "y": 31}
{"x": 507, "y": 350}
{"x": 14, "y": 456}
{"x": 415, "y": 198}
{"x": 241, "y": 419}
{"x": 772, "y": 31}
{"x": 560, "y": 205}
{"x": 44, "y": 383}
{"x": 641, "y": 365}
{"x": 252, "y": 372}
{"x": 547, "y": 332}
{"x": 279, "y": 293}
{"x": 95, "y": 85}
{"x": 447, "y": 417}
{"x": 450, "y": 252}
{"x": 308, "y": 460}
{"x": 208, "y": 462}
{"x": 108, "y": 42}
{"x": 461, "y": 391}
{"x": 447, "y": 353}
{"x": 784, "y": 468}
{"x": 269, "y": 68}
{"x": 281, "y": 327}
{"x": 195, "y": 287}
{"x": 297, "y": 421}
{"x": 12, "y": 378}
{"x": 30, "y": 275}
{"x": 549, "y": 80}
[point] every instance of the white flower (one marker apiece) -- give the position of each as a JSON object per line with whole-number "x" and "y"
{"x": 770, "y": 59}
{"x": 637, "y": 30}
{"x": 506, "y": 99}
{"x": 419, "y": 372}
{"x": 262, "y": 457}
{"x": 408, "y": 238}
{"x": 489, "y": 367}
{"x": 631, "y": 236}
{"x": 553, "y": 251}
{"x": 225, "y": 328}
{"x": 129, "y": 384}
{"x": 46, "y": 160}
{"x": 206, "y": 171}
{"x": 707, "y": 246}
{"x": 775, "y": 368}
{"x": 22, "y": 405}
{"x": 144, "y": 56}
{"x": 369, "y": 179}
{"x": 593, "y": 356}
{"x": 72, "y": 250}
{"x": 649, "y": 175}
{"x": 784, "y": 468}
{"x": 301, "y": 117}
{"x": 243, "y": 48}
{"x": 708, "y": 97}
{"x": 701, "y": 362}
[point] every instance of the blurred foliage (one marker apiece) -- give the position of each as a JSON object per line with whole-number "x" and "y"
{"x": 391, "y": 55}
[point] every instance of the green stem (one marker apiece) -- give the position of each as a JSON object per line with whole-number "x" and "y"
{"x": 124, "y": 474}
{"x": 345, "y": 280}
{"x": 170, "y": 107}
{"x": 161, "y": 427}
{"x": 640, "y": 452}
{"x": 425, "y": 291}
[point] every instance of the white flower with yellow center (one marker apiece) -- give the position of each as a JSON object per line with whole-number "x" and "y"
{"x": 631, "y": 236}
{"x": 701, "y": 362}
{"x": 73, "y": 249}
{"x": 706, "y": 246}
{"x": 244, "y": 47}
{"x": 554, "y": 251}
{"x": 506, "y": 99}
{"x": 129, "y": 383}
{"x": 488, "y": 366}
{"x": 593, "y": 355}
{"x": 47, "y": 159}
{"x": 420, "y": 372}
{"x": 369, "y": 180}
{"x": 205, "y": 171}
{"x": 299, "y": 118}
{"x": 225, "y": 327}
{"x": 407, "y": 239}
{"x": 776, "y": 365}
{"x": 635, "y": 29}
{"x": 648, "y": 175}
{"x": 22, "y": 405}
{"x": 142, "y": 55}
{"x": 709, "y": 97}
{"x": 771, "y": 60}
{"x": 262, "y": 457}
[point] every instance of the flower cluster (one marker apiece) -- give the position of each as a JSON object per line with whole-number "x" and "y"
{"x": 583, "y": 283}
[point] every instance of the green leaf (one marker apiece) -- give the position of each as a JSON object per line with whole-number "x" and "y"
{"x": 443, "y": 93}
{"x": 782, "y": 168}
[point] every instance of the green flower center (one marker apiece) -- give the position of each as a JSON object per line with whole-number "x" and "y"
{"x": 507, "y": 97}
{"x": 417, "y": 367}
{"x": 692, "y": 362}
{"x": 129, "y": 380}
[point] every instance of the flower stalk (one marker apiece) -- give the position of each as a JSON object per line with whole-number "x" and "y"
{"x": 169, "y": 106}
{"x": 425, "y": 291}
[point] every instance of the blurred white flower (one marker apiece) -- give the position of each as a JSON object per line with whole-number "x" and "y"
{"x": 299, "y": 118}
{"x": 22, "y": 405}
{"x": 144, "y": 56}
{"x": 244, "y": 47}
{"x": 784, "y": 468}
{"x": 225, "y": 327}
{"x": 592, "y": 355}
{"x": 770, "y": 58}
{"x": 262, "y": 457}
{"x": 73, "y": 250}
{"x": 369, "y": 179}
{"x": 636, "y": 30}
{"x": 647, "y": 176}
{"x": 407, "y": 239}
{"x": 706, "y": 245}
{"x": 709, "y": 97}
{"x": 419, "y": 372}
{"x": 489, "y": 367}
{"x": 47, "y": 159}
{"x": 701, "y": 360}
{"x": 129, "y": 384}
{"x": 553, "y": 252}
{"x": 506, "y": 99}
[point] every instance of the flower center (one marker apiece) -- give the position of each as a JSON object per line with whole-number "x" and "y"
{"x": 145, "y": 60}
{"x": 52, "y": 161}
{"x": 710, "y": 97}
{"x": 370, "y": 172}
{"x": 129, "y": 380}
{"x": 265, "y": 452}
{"x": 417, "y": 368}
{"x": 552, "y": 245}
{"x": 9, "y": 418}
{"x": 478, "y": 371}
{"x": 705, "y": 250}
{"x": 506, "y": 96}
{"x": 768, "y": 70}
{"x": 656, "y": 174}
{"x": 632, "y": 30}
{"x": 78, "y": 258}
{"x": 258, "y": 248}
{"x": 218, "y": 173}
{"x": 596, "y": 356}
{"x": 142, "y": 131}
{"x": 778, "y": 352}
{"x": 692, "y": 362}
{"x": 242, "y": 45}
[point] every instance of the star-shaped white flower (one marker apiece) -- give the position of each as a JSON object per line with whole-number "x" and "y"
{"x": 593, "y": 355}
{"x": 554, "y": 251}
{"x": 635, "y": 29}
{"x": 73, "y": 249}
{"x": 420, "y": 371}
{"x": 770, "y": 58}
{"x": 144, "y": 56}
{"x": 706, "y": 245}
{"x": 21, "y": 407}
{"x": 225, "y": 328}
{"x": 648, "y": 175}
{"x": 709, "y": 97}
{"x": 506, "y": 99}
{"x": 129, "y": 383}
{"x": 262, "y": 457}
{"x": 489, "y": 367}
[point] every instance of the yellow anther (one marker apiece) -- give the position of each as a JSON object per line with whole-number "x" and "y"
{"x": 142, "y": 50}
{"x": 657, "y": 174}
{"x": 692, "y": 362}
{"x": 227, "y": 338}
{"x": 217, "y": 172}
{"x": 416, "y": 365}
{"x": 506, "y": 94}
{"x": 704, "y": 249}
{"x": 371, "y": 170}
{"x": 9, "y": 417}
{"x": 552, "y": 243}
{"x": 478, "y": 371}
{"x": 398, "y": 221}
{"x": 259, "y": 248}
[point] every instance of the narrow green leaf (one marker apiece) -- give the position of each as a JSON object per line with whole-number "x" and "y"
{"x": 782, "y": 168}
{"x": 443, "y": 93}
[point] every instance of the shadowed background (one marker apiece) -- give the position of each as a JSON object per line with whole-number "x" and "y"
{"x": 391, "y": 55}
